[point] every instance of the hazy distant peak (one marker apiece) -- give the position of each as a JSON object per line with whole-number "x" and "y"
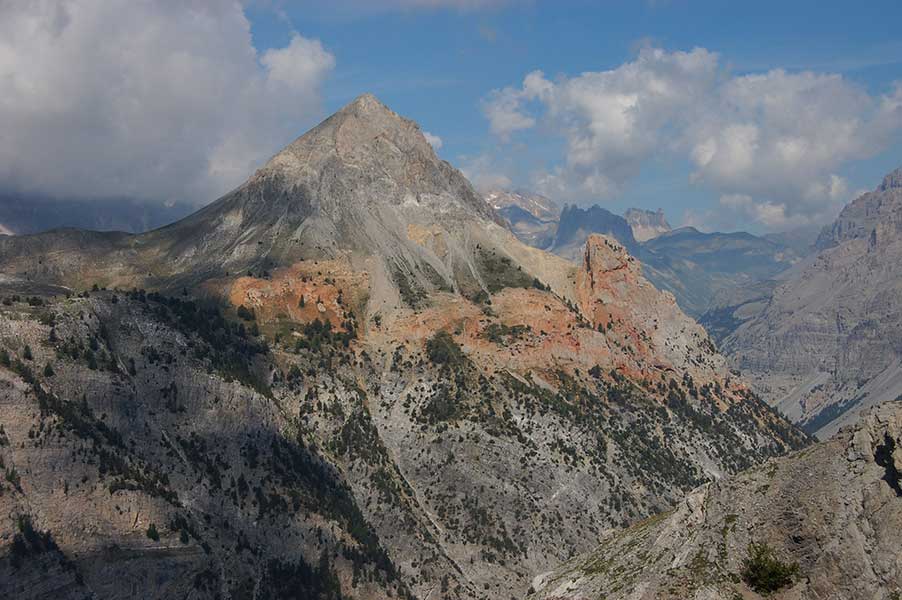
{"x": 542, "y": 208}
{"x": 646, "y": 224}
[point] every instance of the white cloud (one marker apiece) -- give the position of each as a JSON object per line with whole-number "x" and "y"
{"x": 434, "y": 140}
{"x": 150, "y": 99}
{"x": 484, "y": 174}
{"x": 777, "y": 138}
{"x": 503, "y": 110}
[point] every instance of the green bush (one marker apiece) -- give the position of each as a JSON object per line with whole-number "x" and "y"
{"x": 245, "y": 313}
{"x": 152, "y": 532}
{"x": 442, "y": 349}
{"x": 764, "y": 572}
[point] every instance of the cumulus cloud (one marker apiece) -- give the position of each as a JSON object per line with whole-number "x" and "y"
{"x": 166, "y": 100}
{"x": 362, "y": 8}
{"x": 484, "y": 174}
{"x": 776, "y": 139}
{"x": 434, "y": 140}
{"x": 426, "y": 4}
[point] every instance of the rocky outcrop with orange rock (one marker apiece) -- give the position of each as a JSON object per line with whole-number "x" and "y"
{"x": 615, "y": 297}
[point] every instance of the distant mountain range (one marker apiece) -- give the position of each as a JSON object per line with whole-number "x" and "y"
{"x": 25, "y": 213}
{"x": 532, "y": 218}
{"x": 696, "y": 267}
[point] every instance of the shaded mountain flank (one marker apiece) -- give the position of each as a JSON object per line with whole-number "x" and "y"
{"x": 824, "y": 344}
{"x": 345, "y": 379}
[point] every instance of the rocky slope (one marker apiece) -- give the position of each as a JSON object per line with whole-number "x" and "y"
{"x": 646, "y": 224}
{"x": 350, "y": 380}
{"x": 825, "y": 344}
{"x": 832, "y": 510}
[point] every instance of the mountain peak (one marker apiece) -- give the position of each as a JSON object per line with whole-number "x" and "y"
{"x": 872, "y": 211}
{"x": 892, "y": 181}
{"x": 364, "y": 133}
{"x": 646, "y": 224}
{"x": 368, "y": 102}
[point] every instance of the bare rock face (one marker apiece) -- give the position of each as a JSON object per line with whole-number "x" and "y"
{"x": 614, "y": 295}
{"x": 871, "y": 214}
{"x": 833, "y": 510}
{"x": 646, "y": 224}
{"x": 826, "y": 344}
{"x": 344, "y": 379}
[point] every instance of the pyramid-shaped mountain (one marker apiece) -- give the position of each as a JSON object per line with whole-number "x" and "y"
{"x": 364, "y": 186}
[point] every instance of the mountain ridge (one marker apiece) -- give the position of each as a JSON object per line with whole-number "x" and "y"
{"x": 829, "y": 509}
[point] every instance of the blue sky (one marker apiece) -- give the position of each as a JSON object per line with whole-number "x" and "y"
{"x": 437, "y": 66}
{"x": 729, "y": 115}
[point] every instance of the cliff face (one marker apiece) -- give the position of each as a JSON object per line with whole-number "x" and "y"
{"x": 646, "y": 224}
{"x": 826, "y": 343}
{"x": 350, "y": 379}
{"x": 614, "y": 295}
{"x": 832, "y": 510}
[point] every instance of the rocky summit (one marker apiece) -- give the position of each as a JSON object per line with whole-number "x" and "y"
{"x": 344, "y": 379}
{"x": 823, "y": 344}
{"x": 820, "y": 523}
{"x": 646, "y": 224}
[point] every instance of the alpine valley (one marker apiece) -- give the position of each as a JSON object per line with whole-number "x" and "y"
{"x": 347, "y": 378}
